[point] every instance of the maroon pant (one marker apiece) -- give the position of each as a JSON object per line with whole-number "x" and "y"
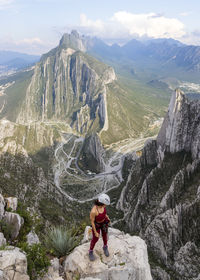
{"x": 95, "y": 239}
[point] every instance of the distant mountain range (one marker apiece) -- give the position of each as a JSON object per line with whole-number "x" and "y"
{"x": 12, "y": 61}
{"x": 167, "y": 51}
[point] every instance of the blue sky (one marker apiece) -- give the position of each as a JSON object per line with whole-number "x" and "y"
{"x": 35, "y": 26}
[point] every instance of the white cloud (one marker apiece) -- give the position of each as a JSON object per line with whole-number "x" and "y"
{"x": 96, "y": 25}
{"x": 5, "y": 4}
{"x": 192, "y": 38}
{"x": 30, "y": 41}
{"x": 26, "y": 45}
{"x": 123, "y": 25}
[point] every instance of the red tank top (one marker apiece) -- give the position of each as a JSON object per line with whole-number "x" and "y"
{"x": 101, "y": 217}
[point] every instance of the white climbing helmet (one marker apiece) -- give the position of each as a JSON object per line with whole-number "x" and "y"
{"x": 104, "y": 198}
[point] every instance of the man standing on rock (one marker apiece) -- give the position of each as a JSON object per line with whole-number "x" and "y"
{"x": 99, "y": 220}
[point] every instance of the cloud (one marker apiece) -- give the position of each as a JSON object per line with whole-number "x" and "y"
{"x": 192, "y": 38}
{"x": 4, "y": 4}
{"x": 124, "y": 24}
{"x": 26, "y": 45}
{"x": 185, "y": 14}
{"x": 31, "y": 41}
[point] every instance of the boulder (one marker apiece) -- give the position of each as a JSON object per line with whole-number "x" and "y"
{"x": 11, "y": 203}
{"x": 128, "y": 260}
{"x": 13, "y": 264}
{"x": 15, "y": 222}
{"x": 2, "y": 240}
{"x": 32, "y": 238}
{"x": 2, "y": 206}
{"x": 53, "y": 271}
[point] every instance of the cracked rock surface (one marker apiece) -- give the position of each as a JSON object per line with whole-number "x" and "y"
{"x": 13, "y": 264}
{"x": 128, "y": 259}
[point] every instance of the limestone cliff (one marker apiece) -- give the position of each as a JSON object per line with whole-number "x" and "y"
{"x": 181, "y": 127}
{"x": 68, "y": 85}
{"x": 161, "y": 198}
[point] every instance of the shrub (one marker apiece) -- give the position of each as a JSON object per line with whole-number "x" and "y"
{"x": 60, "y": 240}
{"x": 37, "y": 259}
{"x": 7, "y": 230}
{"x": 28, "y": 222}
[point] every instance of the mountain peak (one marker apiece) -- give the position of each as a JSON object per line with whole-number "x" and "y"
{"x": 73, "y": 41}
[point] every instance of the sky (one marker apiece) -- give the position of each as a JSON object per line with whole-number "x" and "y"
{"x": 36, "y": 26}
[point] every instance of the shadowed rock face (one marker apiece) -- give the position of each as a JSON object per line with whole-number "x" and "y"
{"x": 161, "y": 196}
{"x": 91, "y": 154}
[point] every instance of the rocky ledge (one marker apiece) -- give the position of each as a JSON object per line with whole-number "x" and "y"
{"x": 128, "y": 259}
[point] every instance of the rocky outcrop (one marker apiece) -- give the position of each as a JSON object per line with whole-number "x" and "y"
{"x": 11, "y": 203}
{"x": 91, "y": 154}
{"x": 2, "y": 239}
{"x": 15, "y": 222}
{"x": 2, "y": 206}
{"x": 187, "y": 260}
{"x": 53, "y": 271}
{"x": 161, "y": 196}
{"x": 158, "y": 273}
{"x": 32, "y": 238}
{"x": 13, "y": 264}
{"x": 74, "y": 41}
{"x": 128, "y": 260}
{"x": 181, "y": 127}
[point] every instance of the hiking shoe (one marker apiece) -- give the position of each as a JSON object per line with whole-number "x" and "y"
{"x": 91, "y": 256}
{"x": 105, "y": 249}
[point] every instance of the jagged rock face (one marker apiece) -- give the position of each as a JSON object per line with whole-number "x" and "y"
{"x": 181, "y": 127}
{"x": 13, "y": 264}
{"x": 91, "y": 154}
{"x": 161, "y": 196}
{"x": 68, "y": 85}
{"x": 158, "y": 273}
{"x": 74, "y": 41}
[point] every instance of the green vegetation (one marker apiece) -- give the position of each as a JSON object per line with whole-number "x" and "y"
{"x": 15, "y": 94}
{"x": 6, "y": 229}
{"x": 37, "y": 259}
{"x": 28, "y": 221}
{"x": 132, "y": 107}
{"x": 95, "y": 64}
{"x": 60, "y": 240}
